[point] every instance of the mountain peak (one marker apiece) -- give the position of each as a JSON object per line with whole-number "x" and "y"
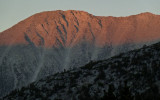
{"x": 146, "y": 14}
{"x": 62, "y": 12}
{"x": 68, "y": 28}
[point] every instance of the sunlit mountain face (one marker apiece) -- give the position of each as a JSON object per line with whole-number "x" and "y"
{"x": 54, "y": 41}
{"x": 69, "y": 28}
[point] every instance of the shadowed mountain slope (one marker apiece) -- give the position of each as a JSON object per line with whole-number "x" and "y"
{"x": 134, "y": 75}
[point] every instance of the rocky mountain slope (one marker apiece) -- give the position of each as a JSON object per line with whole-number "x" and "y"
{"x": 49, "y": 42}
{"x": 134, "y": 75}
{"x": 69, "y": 28}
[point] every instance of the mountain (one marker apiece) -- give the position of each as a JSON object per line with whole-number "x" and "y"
{"x": 134, "y": 75}
{"x": 69, "y": 28}
{"x": 54, "y": 41}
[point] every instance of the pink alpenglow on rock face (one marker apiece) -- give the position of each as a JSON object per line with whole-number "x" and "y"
{"x": 68, "y": 28}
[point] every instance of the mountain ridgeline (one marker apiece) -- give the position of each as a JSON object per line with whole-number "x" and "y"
{"x": 134, "y": 75}
{"x": 69, "y": 28}
{"x": 54, "y": 41}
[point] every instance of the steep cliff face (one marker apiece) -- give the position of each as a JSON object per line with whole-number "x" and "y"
{"x": 50, "y": 42}
{"x": 68, "y": 28}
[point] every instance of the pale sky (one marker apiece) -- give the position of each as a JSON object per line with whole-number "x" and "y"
{"x": 13, "y": 11}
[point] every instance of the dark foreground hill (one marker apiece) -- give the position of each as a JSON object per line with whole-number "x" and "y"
{"x": 132, "y": 75}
